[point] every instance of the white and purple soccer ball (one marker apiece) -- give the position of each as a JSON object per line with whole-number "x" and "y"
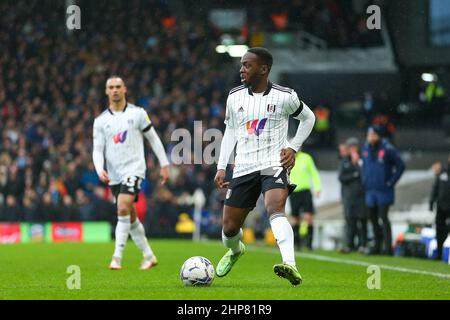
{"x": 197, "y": 271}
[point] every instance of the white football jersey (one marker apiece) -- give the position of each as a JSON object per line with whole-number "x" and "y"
{"x": 119, "y": 136}
{"x": 261, "y": 122}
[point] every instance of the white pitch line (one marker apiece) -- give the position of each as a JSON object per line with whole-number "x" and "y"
{"x": 361, "y": 263}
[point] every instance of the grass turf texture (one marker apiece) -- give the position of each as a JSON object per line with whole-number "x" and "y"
{"x": 38, "y": 271}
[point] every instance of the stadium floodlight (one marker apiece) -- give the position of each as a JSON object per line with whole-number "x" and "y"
{"x": 221, "y": 48}
{"x": 237, "y": 51}
{"x": 429, "y": 77}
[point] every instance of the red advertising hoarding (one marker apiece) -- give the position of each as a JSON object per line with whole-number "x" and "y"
{"x": 9, "y": 233}
{"x": 67, "y": 232}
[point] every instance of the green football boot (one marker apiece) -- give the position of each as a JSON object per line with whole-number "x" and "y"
{"x": 228, "y": 260}
{"x": 288, "y": 272}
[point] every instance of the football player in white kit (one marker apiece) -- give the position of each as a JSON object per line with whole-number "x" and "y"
{"x": 257, "y": 116}
{"x": 119, "y": 160}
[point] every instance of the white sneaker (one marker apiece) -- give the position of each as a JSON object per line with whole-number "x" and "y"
{"x": 148, "y": 263}
{"x": 116, "y": 264}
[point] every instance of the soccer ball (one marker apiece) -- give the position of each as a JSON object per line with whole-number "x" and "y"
{"x": 197, "y": 271}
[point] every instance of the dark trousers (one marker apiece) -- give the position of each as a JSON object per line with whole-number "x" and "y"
{"x": 442, "y": 229}
{"x": 356, "y": 227}
{"x": 382, "y": 233}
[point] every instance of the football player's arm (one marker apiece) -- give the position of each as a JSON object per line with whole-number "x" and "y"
{"x": 307, "y": 120}
{"x": 152, "y": 137}
{"x": 229, "y": 137}
{"x": 156, "y": 144}
{"x": 226, "y": 148}
{"x": 98, "y": 150}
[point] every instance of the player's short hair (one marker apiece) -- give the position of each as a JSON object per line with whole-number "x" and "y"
{"x": 115, "y": 76}
{"x": 263, "y": 54}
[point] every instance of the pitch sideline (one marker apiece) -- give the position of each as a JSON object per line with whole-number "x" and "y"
{"x": 356, "y": 263}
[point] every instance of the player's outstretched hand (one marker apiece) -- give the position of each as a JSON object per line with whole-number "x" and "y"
{"x": 219, "y": 180}
{"x": 104, "y": 177}
{"x": 287, "y": 158}
{"x": 164, "y": 175}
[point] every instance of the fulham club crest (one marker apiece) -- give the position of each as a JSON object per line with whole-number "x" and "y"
{"x": 271, "y": 108}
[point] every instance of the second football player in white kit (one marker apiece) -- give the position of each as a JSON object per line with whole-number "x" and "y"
{"x": 119, "y": 160}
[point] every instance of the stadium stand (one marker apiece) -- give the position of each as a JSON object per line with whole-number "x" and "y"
{"x": 52, "y": 88}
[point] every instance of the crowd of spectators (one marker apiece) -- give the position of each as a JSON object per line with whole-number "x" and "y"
{"x": 52, "y": 88}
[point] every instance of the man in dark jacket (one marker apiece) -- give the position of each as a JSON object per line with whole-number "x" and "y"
{"x": 441, "y": 196}
{"x": 352, "y": 193}
{"x": 382, "y": 168}
{"x": 12, "y": 211}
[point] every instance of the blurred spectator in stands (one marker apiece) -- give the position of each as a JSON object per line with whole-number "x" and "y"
{"x": 163, "y": 212}
{"x": 382, "y": 168}
{"x": 89, "y": 178}
{"x": 71, "y": 178}
{"x": 15, "y": 185}
{"x": 42, "y": 185}
{"x": 70, "y": 209}
{"x": 103, "y": 208}
{"x": 47, "y": 210}
{"x": 352, "y": 192}
{"x": 57, "y": 190}
{"x": 440, "y": 195}
{"x": 216, "y": 200}
{"x": 85, "y": 206}
{"x": 9, "y": 111}
{"x": 322, "y": 126}
{"x": 30, "y": 205}
{"x": 11, "y": 210}
{"x": 3, "y": 184}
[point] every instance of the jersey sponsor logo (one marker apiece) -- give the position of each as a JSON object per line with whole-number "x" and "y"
{"x": 256, "y": 126}
{"x": 120, "y": 137}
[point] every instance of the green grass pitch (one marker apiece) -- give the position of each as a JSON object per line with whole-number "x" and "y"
{"x": 39, "y": 271}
